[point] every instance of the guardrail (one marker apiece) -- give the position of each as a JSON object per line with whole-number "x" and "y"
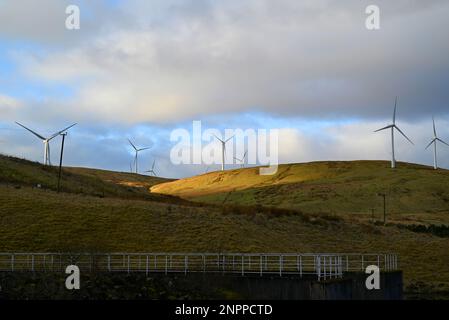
{"x": 323, "y": 265}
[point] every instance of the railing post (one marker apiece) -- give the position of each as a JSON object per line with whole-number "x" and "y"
{"x": 12, "y": 262}
{"x": 324, "y": 267}
{"x": 300, "y": 266}
{"x": 243, "y": 265}
{"x": 204, "y": 264}
{"x": 280, "y": 265}
{"x": 109, "y": 262}
{"x": 318, "y": 266}
{"x": 128, "y": 263}
{"x": 32, "y": 262}
{"x": 186, "y": 262}
{"x": 166, "y": 264}
{"x": 261, "y": 265}
{"x": 224, "y": 263}
{"x": 147, "y": 264}
{"x": 363, "y": 262}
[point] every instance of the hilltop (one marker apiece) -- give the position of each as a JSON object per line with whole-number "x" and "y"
{"x": 337, "y": 187}
{"x": 20, "y": 173}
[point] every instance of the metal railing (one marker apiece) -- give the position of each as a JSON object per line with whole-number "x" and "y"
{"x": 323, "y": 265}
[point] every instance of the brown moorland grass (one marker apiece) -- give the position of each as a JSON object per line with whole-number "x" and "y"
{"x": 40, "y": 220}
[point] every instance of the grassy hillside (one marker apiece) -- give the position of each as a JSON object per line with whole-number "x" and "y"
{"x": 102, "y": 211}
{"x": 326, "y": 187}
{"x": 21, "y": 173}
{"x": 35, "y": 220}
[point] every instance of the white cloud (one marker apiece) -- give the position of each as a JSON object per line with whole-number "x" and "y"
{"x": 313, "y": 58}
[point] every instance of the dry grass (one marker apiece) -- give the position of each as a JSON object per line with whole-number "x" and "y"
{"x": 34, "y": 219}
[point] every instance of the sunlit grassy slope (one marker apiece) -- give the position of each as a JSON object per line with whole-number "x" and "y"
{"x": 20, "y": 173}
{"x": 324, "y": 187}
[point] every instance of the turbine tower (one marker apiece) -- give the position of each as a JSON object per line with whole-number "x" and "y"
{"x": 151, "y": 171}
{"x": 242, "y": 161}
{"x": 435, "y": 141}
{"x": 46, "y": 141}
{"x": 223, "y": 150}
{"x": 393, "y": 126}
{"x": 137, "y": 150}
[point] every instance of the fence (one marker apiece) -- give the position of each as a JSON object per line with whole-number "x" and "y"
{"x": 323, "y": 266}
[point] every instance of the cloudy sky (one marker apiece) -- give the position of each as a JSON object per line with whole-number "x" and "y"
{"x": 141, "y": 68}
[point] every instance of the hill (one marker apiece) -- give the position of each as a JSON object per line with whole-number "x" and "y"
{"x": 99, "y": 211}
{"x": 346, "y": 188}
{"x": 23, "y": 173}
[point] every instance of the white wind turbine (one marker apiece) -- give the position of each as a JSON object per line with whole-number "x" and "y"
{"x": 137, "y": 150}
{"x": 435, "y": 141}
{"x": 242, "y": 161}
{"x": 392, "y": 127}
{"x": 223, "y": 150}
{"x": 151, "y": 171}
{"x": 46, "y": 141}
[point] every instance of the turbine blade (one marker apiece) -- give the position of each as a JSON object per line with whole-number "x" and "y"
{"x": 218, "y": 138}
{"x": 394, "y": 113}
{"x": 404, "y": 135}
{"x": 387, "y": 127}
{"x": 442, "y": 141}
{"x": 430, "y": 143}
{"x": 229, "y": 139}
{"x": 36, "y": 134}
{"x": 244, "y": 155}
{"x": 61, "y": 131}
{"x": 132, "y": 144}
{"x": 434, "y": 128}
{"x": 143, "y": 149}
{"x": 154, "y": 163}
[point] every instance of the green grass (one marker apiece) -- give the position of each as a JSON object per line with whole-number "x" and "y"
{"x": 414, "y": 193}
{"x": 20, "y": 173}
{"x": 37, "y": 220}
{"x": 102, "y": 211}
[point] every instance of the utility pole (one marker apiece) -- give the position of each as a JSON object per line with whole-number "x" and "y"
{"x": 60, "y": 160}
{"x": 385, "y": 205}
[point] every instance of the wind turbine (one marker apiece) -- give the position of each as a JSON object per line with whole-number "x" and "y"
{"x": 137, "y": 152}
{"x": 242, "y": 161}
{"x": 223, "y": 150}
{"x": 434, "y": 141}
{"x": 151, "y": 171}
{"x": 392, "y": 127}
{"x": 46, "y": 141}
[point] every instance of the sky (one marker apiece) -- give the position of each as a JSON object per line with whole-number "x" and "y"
{"x": 140, "y": 69}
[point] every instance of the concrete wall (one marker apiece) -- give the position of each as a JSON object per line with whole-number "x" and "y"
{"x": 352, "y": 287}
